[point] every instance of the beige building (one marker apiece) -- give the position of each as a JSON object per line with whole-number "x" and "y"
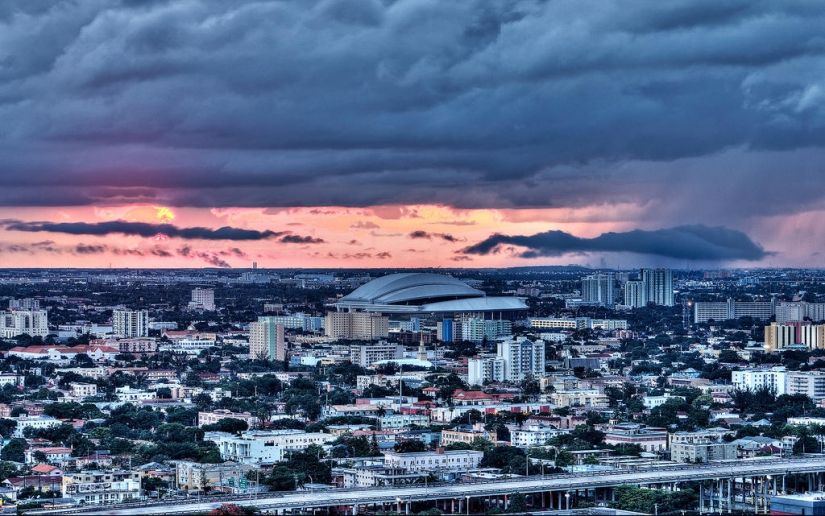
{"x": 266, "y": 339}
{"x": 83, "y": 390}
{"x": 813, "y": 335}
{"x": 194, "y": 476}
{"x": 778, "y": 336}
{"x": 464, "y": 434}
{"x": 356, "y": 325}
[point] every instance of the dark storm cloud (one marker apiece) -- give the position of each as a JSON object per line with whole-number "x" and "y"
{"x": 508, "y": 103}
{"x": 297, "y": 239}
{"x": 424, "y": 234}
{"x": 683, "y": 242}
{"x": 140, "y": 229}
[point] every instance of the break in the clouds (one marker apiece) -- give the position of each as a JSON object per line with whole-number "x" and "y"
{"x": 475, "y": 104}
{"x": 684, "y": 242}
{"x": 148, "y": 230}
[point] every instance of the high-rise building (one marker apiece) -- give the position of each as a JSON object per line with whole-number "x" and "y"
{"x": 813, "y": 336}
{"x": 130, "y": 323}
{"x": 779, "y": 336}
{"x": 266, "y": 339}
{"x": 444, "y": 330}
{"x": 809, "y": 383}
{"x": 204, "y": 298}
{"x": 18, "y": 322}
{"x": 477, "y": 329}
{"x": 635, "y": 294}
{"x": 659, "y": 285}
{"x": 356, "y": 325}
{"x": 598, "y": 289}
{"x": 786, "y": 312}
{"x": 24, "y": 304}
{"x": 522, "y": 357}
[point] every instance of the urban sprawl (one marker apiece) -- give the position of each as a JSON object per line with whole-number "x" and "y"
{"x": 412, "y": 392}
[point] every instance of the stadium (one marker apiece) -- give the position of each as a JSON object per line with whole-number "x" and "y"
{"x": 428, "y": 294}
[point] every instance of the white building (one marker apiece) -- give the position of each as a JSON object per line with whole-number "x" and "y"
{"x": 635, "y": 294}
{"x": 522, "y": 357}
{"x": 598, "y": 289}
{"x": 102, "y": 487}
{"x": 457, "y": 460}
{"x": 130, "y": 323}
{"x": 659, "y": 286}
{"x": 813, "y": 335}
{"x": 203, "y": 298}
{"x": 35, "y": 422}
{"x": 18, "y": 322}
{"x": 402, "y": 421}
{"x": 753, "y": 380}
{"x": 532, "y": 435}
{"x": 809, "y": 383}
{"x": 248, "y": 448}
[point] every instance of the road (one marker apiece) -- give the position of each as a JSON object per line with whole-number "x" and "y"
{"x": 348, "y": 497}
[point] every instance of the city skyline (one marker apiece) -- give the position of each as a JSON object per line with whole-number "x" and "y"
{"x": 411, "y": 134}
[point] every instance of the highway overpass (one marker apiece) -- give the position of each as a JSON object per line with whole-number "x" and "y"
{"x": 744, "y": 482}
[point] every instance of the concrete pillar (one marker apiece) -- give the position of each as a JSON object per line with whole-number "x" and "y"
{"x": 701, "y": 497}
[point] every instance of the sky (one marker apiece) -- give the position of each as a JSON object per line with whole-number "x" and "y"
{"x": 411, "y": 133}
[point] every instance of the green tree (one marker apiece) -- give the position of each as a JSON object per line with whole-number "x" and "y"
{"x": 14, "y": 450}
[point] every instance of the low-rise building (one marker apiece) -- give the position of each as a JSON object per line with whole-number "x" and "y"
{"x": 54, "y": 454}
{"x": 457, "y": 460}
{"x": 210, "y": 418}
{"x": 535, "y": 434}
{"x": 99, "y": 487}
{"x": 194, "y": 476}
{"x": 706, "y": 451}
{"x": 649, "y": 439}
{"x": 465, "y": 434}
{"x": 35, "y": 422}
{"x": 370, "y": 476}
{"x": 83, "y": 390}
{"x": 402, "y": 421}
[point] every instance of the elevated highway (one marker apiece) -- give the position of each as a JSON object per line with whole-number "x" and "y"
{"x": 758, "y": 478}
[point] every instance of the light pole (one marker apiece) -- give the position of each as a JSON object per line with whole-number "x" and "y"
{"x": 527, "y": 464}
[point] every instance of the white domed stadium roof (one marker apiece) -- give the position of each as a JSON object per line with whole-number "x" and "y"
{"x": 423, "y": 292}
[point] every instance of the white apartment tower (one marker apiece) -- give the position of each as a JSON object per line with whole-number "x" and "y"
{"x": 266, "y": 339}
{"x": 598, "y": 289}
{"x": 659, "y": 285}
{"x": 635, "y": 294}
{"x": 522, "y": 357}
{"x": 204, "y": 298}
{"x": 130, "y": 323}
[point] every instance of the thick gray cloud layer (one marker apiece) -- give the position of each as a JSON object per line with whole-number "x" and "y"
{"x": 360, "y": 102}
{"x": 684, "y": 242}
{"x": 147, "y": 230}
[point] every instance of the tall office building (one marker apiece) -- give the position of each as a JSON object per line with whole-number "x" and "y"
{"x": 266, "y": 339}
{"x": 779, "y": 336}
{"x": 130, "y": 323}
{"x": 635, "y": 294}
{"x": 598, "y": 289}
{"x": 659, "y": 285}
{"x": 204, "y": 298}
